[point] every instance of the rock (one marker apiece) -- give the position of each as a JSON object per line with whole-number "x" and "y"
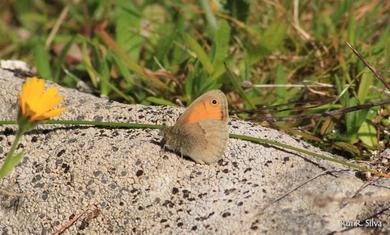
{"x": 122, "y": 181}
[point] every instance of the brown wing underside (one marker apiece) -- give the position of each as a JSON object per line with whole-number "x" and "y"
{"x": 205, "y": 141}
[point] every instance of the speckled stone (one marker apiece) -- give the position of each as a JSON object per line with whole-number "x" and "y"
{"x": 137, "y": 187}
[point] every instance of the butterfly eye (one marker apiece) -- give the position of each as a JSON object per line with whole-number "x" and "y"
{"x": 214, "y": 102}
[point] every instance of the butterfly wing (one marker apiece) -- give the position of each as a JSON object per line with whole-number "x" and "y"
{"x": 205, "y": 141}
{"x": 201, "y": 132}
{"x": 204, "y": 108}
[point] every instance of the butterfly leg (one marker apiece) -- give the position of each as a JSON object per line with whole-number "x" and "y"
{"x": 163, "y": 148}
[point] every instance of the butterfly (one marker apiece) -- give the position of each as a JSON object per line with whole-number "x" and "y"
{"x": 201, "y": 132}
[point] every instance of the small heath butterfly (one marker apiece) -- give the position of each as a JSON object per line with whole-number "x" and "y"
{"x": 201, "y": 132}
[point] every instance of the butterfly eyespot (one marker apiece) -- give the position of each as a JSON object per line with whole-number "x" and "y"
{"x": 214, "y": 101}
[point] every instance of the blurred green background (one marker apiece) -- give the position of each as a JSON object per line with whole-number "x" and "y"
{"x": 272, "y": 58}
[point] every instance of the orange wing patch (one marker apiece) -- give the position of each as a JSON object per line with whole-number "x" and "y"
{"x": 203, "y": 111}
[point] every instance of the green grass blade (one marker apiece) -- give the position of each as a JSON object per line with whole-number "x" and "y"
{"x": 117, "y": 91}
{"x": 200, "y": 53}
{"x": 127, "y": 27}
{"x": 210, "y": 17}
{"x": 61, "y": 58}
{"x": 42, "y": 59}
{"x": 309, "y": 153}
{"x": 368, "y": 135}
{"x": 364, "y": 86}
{"x": 104, "y": 76}
{"x": 93, "y": 76}
{"x": 220, "y": 48}
{"x": 235, "y": 136}
{"x": 273, "y": 37}
{"x": 159, "y": 101}
{"x": 124, "y": 71}
{"x": 237, "y": 86}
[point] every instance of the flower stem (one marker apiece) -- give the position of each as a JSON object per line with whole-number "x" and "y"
{"x": 11, "y": 159}
{"x": 235, "y": 136}
{"x": 7, "y": 122}
{"x": 93, "y": 123}
{"x": 313, "y": 154}
{"x": 105, "y": 124}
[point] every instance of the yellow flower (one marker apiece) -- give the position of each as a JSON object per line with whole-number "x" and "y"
{"x": 35, "y": 103}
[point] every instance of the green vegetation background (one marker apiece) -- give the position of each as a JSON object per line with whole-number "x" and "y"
{"x": 273, "y": 58}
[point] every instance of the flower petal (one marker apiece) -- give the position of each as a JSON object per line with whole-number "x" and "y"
{"x": 37, "y": 104}
{"x": 50, "y": 99}
{"x": 49, "y": 114}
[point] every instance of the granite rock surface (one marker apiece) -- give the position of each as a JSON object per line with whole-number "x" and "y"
{"x": 122, "y": 181}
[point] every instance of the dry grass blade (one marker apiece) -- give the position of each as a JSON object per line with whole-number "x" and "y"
{"x": 56, "y": 26}
{"x": 370, "y": 67}
{"x": 293, "y": 189}
{"x": 140, "y": 70}
{"x": 90, "y": 213}
{"x": 324, "y": 114}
